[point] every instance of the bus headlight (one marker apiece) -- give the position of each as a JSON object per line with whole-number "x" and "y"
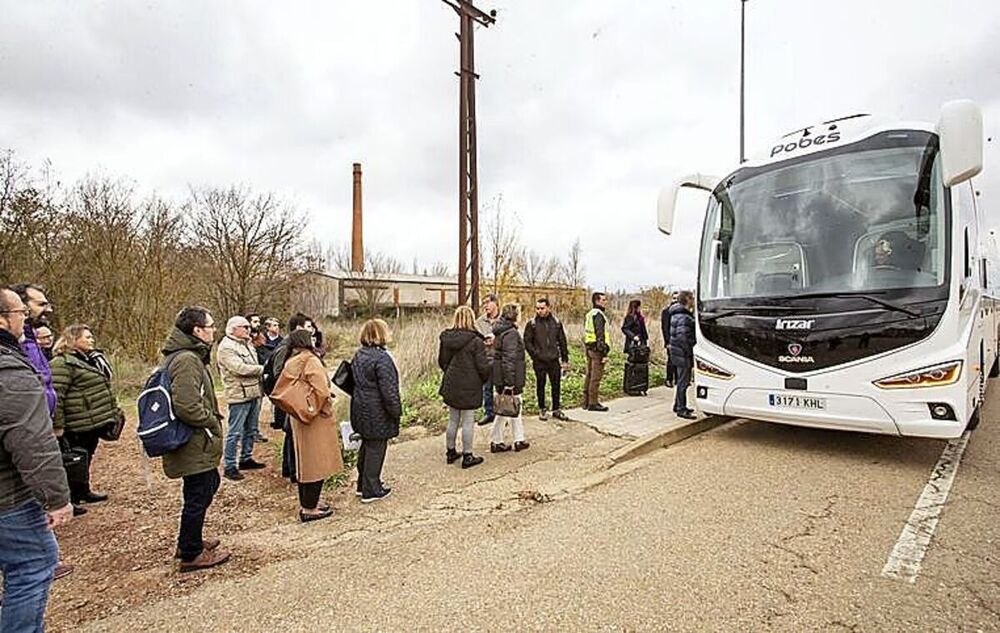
{"x": 935, "y": 376}
{"x": 708, "y": 369}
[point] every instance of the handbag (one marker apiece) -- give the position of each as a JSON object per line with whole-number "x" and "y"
{"x": 343, "y": 378}
{"x": 507, "y": 404}
{"x": 76, "y": 463}
{"x": 111, "y": 431}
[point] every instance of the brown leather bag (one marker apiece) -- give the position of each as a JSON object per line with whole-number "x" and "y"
{"x": 295, "y": 396}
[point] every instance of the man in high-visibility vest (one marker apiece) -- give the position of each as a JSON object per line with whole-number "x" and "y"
{"x": 597, "y": 338}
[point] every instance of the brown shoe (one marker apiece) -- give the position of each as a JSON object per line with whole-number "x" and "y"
{"x": 207, "y": 558}
{"x": 207, "y": 544}
{"x": 62, "y": 570}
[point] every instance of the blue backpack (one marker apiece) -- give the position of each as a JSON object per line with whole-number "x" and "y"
{"x": 159, "y": 430}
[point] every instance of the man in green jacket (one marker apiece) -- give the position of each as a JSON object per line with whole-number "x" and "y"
{"x": 187, "y": 352}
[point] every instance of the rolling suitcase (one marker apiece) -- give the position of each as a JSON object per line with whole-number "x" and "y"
{"x": 636, "y": 378}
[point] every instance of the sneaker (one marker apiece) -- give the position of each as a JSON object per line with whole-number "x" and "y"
{"x": 543, "y": 414}
{"x": 376, "y": 497}
{"x": 251, "y": 464}
{"x": 62, "y": 570}
{"x": 486, "y": 420}
{"x": 686, "y": 415}
{"x": 233, "y": 475}
{"x": 452, "y": 456}
{"x": 207, "y": 544}
{"x": 670, "y": 384}
{"x": 499, "y": 448}
{"x": 521, "y": 446}
{"x": 559, "y": 415}
{"x": 205, "y": 560}
{"x": 597, "y": 407}
{"x": 78, "y": 510}
{"x": 469, "y": 460}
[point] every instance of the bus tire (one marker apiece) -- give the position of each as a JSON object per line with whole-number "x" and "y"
{"x": 973, "y": 420}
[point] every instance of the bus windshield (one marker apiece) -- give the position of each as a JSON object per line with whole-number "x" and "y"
{"x": 865, "y": 217}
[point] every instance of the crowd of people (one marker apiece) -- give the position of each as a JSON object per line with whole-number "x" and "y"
{"x": 58, "y": 404}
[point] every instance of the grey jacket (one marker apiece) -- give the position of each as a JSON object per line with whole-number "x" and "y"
{"x": 30, "y": 461}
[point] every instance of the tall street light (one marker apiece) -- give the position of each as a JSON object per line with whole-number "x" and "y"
{"x": 743, "y": 13}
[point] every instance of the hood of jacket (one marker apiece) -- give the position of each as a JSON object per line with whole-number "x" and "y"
{"x": 502, "y": 325}
{"x": 454, "y": 339}
{"x": 178, "y": 341}
{"x": 676, "y": 308}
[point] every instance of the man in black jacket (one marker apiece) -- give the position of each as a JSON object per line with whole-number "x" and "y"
{"x": 34, "y": 494}
{"x": 682, "y": 339}
{"x": 545, "y": 342}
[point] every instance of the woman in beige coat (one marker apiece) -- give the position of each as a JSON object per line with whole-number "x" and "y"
{"x": 303, "y": 391}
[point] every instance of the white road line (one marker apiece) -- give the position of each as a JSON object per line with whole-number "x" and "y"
{"x": 905, "y": 558}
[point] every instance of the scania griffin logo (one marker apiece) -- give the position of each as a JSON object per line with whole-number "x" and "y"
{"x": 794, "y": 324}
{"x": 794, "y": 351}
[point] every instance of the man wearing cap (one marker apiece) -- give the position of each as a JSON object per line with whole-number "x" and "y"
{"x": 240, "y": 372}
{"x": 484, "y": 325}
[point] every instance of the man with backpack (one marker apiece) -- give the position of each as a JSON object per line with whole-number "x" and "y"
{"x": 545, "y": 342}
{"x": 186, "y": 355}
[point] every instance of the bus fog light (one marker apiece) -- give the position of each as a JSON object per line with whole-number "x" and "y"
{"x": 941, "y": 411}
{"x": 934, "y": 376}
{"x": 701, "y": 392}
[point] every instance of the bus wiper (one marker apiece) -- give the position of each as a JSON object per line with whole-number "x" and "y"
{"x": 708, "y": 317}
{"x": 888, "y": 305}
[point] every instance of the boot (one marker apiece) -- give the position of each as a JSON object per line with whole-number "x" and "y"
{"x": 469, "y": 460}
{"x": 499, "y": 448}
{"x": 452, "y": 456}
{"x": 521, "y": 446}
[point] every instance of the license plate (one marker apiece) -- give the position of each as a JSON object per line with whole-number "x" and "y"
{"x": 780, "y": 401}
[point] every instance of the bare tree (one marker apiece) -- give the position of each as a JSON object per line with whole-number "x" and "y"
{"x": 503, "y": 253}
{"x": 440, "y": 269}
{"x": 573, "y": 269}
{"x": 251, "y": 245}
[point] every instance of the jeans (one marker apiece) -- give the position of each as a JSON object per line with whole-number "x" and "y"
{"x": 199, "y": 490}
{"x": 488, "y": 399}
{"x": 242, "y": 430}
{"x": 468, "y": 423}
{"x": 371, "y": 456}
{"x": 680, "y": 390}
{"x": 552, "y": 371}
{"x": 28, "y": 557}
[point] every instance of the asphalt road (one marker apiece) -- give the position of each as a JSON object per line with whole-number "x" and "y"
{"x": 750, "y": 526}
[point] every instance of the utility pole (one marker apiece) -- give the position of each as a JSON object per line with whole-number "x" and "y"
{"x": 468, "y": 176}
{"x": 743, "y": 13}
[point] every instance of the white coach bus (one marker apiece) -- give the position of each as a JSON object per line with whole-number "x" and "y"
{"x": 842, "y": 279}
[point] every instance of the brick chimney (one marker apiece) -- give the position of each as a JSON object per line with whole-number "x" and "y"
{"x": 357, "y": 246}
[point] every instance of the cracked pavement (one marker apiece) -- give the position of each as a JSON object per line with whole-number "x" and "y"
{"x": 750, "y": 526}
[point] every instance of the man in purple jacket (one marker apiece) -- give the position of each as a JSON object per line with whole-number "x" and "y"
{"x": 39, "y": 314}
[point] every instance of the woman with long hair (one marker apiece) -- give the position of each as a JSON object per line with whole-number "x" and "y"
{"x": 303, "y": 391}
{"x": 85, "y": 400}
{"x": 376, "y": 406}
{"x": 462, "y": 358}
{"x": 634, "y": 326}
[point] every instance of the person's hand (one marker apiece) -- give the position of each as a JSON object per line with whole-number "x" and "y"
{"x": 604, "y": 361}
{"x": 564, "y": 366}
{"x": 59, "y": 432}
{"x": 635, "y": 338}
{"x": 489, "y": 340}
{"x": 58, "y": 517}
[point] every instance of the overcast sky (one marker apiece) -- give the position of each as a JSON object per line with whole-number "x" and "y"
{"x": 586, "y": 108}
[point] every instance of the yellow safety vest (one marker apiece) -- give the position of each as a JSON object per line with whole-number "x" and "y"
{"x": 590, "y": 332}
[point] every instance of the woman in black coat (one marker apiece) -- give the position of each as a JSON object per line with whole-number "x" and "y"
{"x": 462, "y": 358}
{"x": 508, "y": 376}
{"x": 376, "y": 407}
{"x": 634, "y": 326}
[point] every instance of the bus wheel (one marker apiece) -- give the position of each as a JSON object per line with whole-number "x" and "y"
{"x": 973, "y": 420}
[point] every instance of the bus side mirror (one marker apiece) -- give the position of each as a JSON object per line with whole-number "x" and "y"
{"x": 960, "y": 129}
{"x": 667, "y": 201}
